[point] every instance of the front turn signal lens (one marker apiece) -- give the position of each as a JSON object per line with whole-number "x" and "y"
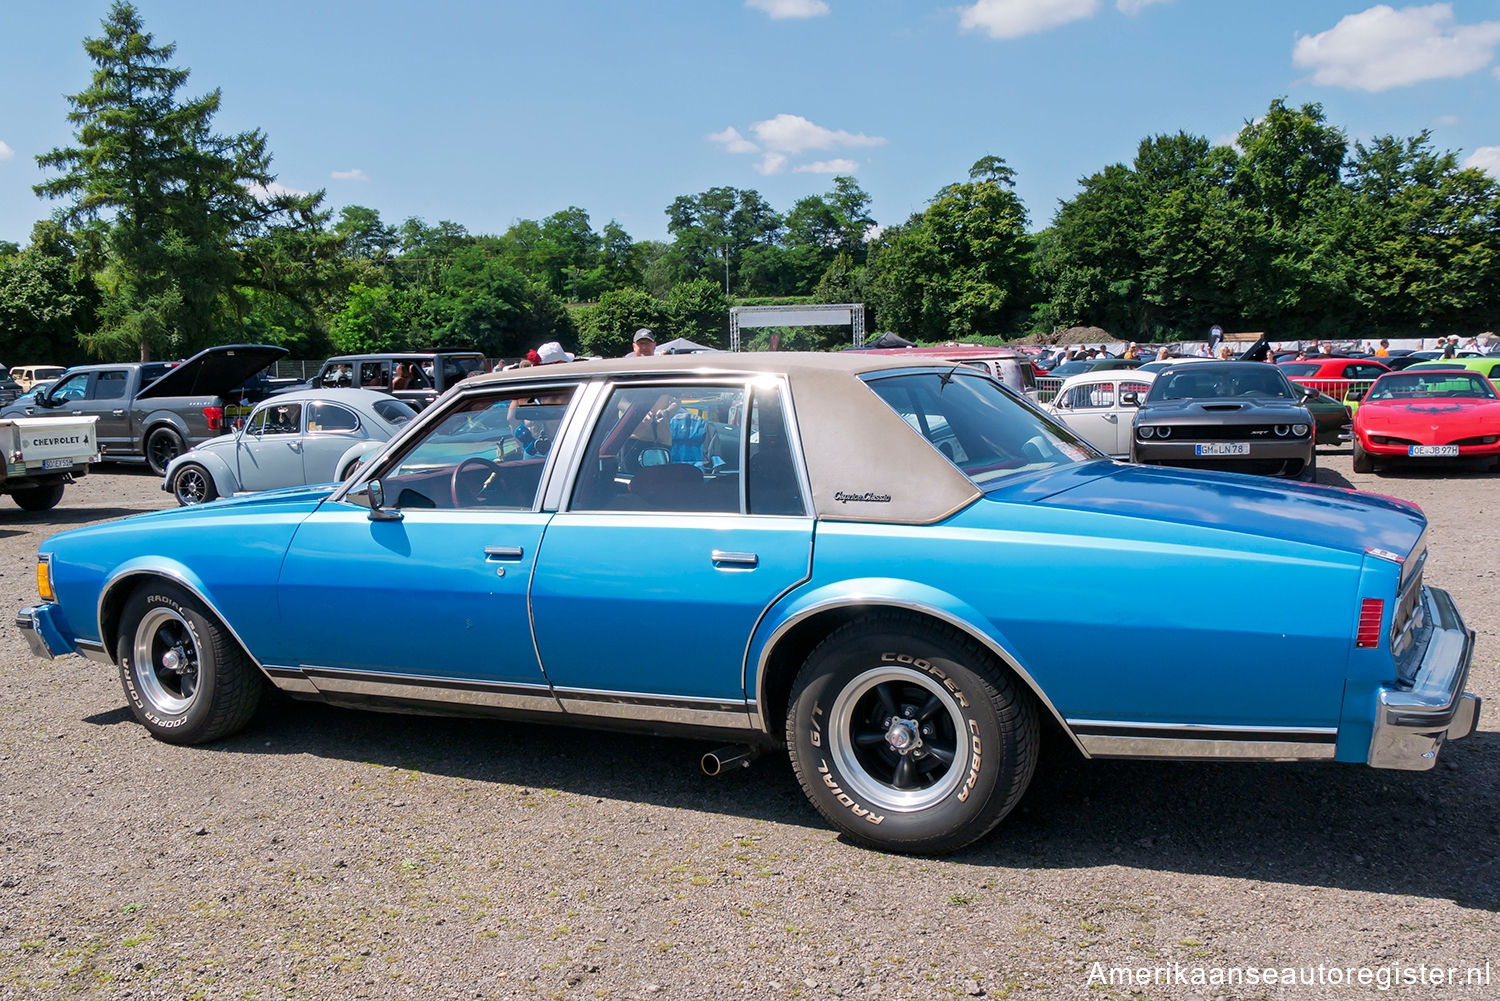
{"x": 44, "y": 580}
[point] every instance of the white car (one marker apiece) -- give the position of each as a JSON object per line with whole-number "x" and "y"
{"x": 290, "y": 439}
{"x": 1101, "y": 406}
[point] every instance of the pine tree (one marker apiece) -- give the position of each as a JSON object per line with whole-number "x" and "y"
{"x": 167, "y": 210}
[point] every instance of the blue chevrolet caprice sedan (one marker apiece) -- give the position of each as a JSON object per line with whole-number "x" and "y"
{"x": 898, "y": 571}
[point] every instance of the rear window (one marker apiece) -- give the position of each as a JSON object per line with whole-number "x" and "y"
{"x": 1299, "y": 368}
{"x": 982, "y": 429}
{"x": 398, "y": 412}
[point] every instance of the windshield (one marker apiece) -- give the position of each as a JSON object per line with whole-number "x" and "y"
{"x": 1447, "y": 383}
{"x": 980, "y": 427}
{"x": 1212, "y": 382}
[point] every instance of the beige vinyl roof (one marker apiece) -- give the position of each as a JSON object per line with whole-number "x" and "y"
{"x": 864, "y": 462}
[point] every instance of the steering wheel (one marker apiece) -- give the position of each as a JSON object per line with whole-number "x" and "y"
{"x": 466, "y": 496}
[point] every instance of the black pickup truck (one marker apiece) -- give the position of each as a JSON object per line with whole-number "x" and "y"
{"x": 152, "y": 411}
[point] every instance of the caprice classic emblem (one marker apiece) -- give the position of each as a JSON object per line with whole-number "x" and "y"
{"x": 868, "y": 497}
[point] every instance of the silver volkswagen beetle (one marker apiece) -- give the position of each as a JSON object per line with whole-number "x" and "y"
{"x": 289, "y": 440}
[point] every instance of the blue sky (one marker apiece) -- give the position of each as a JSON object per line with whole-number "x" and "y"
{"x": 484, "y": 113}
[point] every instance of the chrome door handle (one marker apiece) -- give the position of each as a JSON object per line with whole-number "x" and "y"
{"x": 722, "y": 559}
{"x": 296, "y": 446}
{"x": 503, "y": 552}
{"x": 118, "y": 413}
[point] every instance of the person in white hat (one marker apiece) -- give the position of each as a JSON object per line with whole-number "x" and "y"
{"x": 552, "y": 353}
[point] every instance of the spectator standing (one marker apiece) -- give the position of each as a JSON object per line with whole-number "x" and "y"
{"x": 643, "y": 345}
{"x": 1384, "y": 351}
{"x": 1450, "y": 347}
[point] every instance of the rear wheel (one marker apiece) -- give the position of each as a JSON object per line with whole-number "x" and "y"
{"x": 185, "y": 677}
{"x": 907, "y": 736}
{"x": 191, "y": 484}
{"x": 40, "y": 498}
{"x": 1363, "y": 463}
{"x": 162, "y": 446}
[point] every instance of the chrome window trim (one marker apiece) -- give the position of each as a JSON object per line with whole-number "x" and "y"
{"x": 744, "y": 381}
{"x": 757, "y": 712}
{"x": 359, "y": 420}
{"x": 393, "y": 450}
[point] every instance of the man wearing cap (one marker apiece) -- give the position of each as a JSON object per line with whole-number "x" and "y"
{"x": 644, "y": 344}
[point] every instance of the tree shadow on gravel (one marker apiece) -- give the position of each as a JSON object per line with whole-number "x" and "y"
{"x": 1426, "y": 834}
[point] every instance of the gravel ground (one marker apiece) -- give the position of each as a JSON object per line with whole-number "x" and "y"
{"x": 328, "y": 853}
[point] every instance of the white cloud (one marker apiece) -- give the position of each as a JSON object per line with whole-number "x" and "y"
{"x": 781, "y": 138}
{"x": 1382, "y": 47}
{"x": 350, "y": 175}
{"x": 733, "y": 142}
{"x": 1134, "y": 7}
{"x": 6, "y": 152}
{"x": 266, "y": 192}
{"x": 779, "y": 9}
{"x": 1446, "y": 120}
{"x": 1487, "y": 159}
{"x": 1015, "y": 18}
{"x": 793, "y": 134}
{"x": 771, "y": 163}
{"x": 842, "y": 165}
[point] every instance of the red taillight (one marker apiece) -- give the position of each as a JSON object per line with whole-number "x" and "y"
{"x": 1371, "y": 611}
{"x": 215, "y": 418}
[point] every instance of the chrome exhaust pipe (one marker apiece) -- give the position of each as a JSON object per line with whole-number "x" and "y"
{"x": 725, "y": 758}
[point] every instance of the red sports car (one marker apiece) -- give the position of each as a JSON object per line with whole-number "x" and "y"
{"x": 1422, "y": 414}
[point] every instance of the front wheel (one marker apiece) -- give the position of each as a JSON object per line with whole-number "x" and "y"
{"x": 186, "y": 678}
{"x": 162, "y": 446}
{"x": 191, "y": 485}
{"x": 907, "y": 736}
{"x": 1363, "y": 462}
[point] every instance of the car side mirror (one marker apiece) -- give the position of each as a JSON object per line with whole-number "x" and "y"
{"x": 1130, "y": 399}
{"x": 655, "y": 456}
{"x": 1308, "y": 393}
{"x": 372, "y": 496}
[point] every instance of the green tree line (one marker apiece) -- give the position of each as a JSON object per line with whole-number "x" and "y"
{"x": 168, "y": 237}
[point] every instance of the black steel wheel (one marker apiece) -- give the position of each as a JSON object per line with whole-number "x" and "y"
{"x": 162, "y": 446}
{"x": 908, "y": 736}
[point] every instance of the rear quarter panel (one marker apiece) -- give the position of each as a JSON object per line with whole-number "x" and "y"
{"x": 1119, "y": 618}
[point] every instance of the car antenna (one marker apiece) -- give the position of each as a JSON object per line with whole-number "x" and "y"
{"x": 946, "y": 377}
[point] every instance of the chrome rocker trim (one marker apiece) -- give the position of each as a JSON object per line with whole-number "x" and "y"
{"x": 1412, "y": 722}
{"x": 1197, "y": 741}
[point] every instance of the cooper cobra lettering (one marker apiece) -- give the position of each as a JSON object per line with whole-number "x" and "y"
{"x": 973, "y": 762}
{"x": 930, "y": 668}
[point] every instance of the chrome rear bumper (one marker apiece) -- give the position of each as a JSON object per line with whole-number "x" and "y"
{"x": 1412, "y": 723}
